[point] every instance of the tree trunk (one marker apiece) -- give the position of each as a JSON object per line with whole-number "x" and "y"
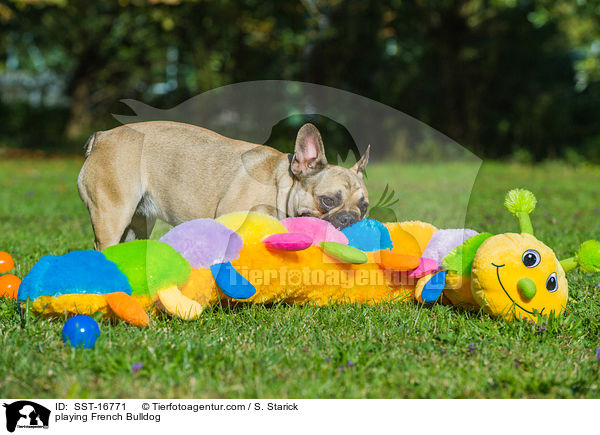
{"x": 80, "y": 117}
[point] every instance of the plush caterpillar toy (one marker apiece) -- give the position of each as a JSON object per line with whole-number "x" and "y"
{"x": 508, "y": 275}
{"x": 247, "y": 256}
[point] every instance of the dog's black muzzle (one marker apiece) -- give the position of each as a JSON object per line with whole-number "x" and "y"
{"x": 343, "y": 219}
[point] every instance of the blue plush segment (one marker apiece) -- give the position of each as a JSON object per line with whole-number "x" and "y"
{"x": 434, "y": 287}
{"x": 231, "y": 281}
{"x": 78, "y": 272}
{"x": 368, "y": 235}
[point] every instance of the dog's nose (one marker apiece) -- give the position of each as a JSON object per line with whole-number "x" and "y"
{"x": 342, "y": 220}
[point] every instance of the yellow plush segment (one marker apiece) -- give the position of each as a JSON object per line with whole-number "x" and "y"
{"x": 201, "y": 287}
{"x": 146, "y": 302}
{"x": 252, "y": 226}
{"x": 410, "y": 238}
{"x": 497, "y": 269}
{"x": 302, "y": 277}
{"x": 177, "y": 304}
{"x": 420, "y": 285}
{"x": 89, "y": 304}
{"x": 70, "y": 304}
{"x": 458, "y": 291}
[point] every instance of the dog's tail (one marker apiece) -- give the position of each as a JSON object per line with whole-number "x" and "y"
{"x": 89, "y": 145}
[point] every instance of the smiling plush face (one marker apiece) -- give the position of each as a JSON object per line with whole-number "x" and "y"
{"x": 516, "y": 275}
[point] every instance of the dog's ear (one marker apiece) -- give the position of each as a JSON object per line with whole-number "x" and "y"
{"x": 309, "y": 153}
{"x": 360, "y": 166}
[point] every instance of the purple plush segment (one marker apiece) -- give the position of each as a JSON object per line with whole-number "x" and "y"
{"x": 444, "y": 241}
{"x": 204, "y": 242}
{"x": 317, "y": 229}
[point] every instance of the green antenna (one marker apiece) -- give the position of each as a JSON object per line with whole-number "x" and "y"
{"x": 521, "y": 203}
{"x": 588, "y": 258}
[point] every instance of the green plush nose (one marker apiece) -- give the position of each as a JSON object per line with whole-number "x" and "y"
{"x": 527, "y": 288}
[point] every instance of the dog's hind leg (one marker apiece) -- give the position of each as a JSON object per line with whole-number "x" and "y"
{"x": 110, "y": 225}
{"x": 111, "y": 210}
{"x": 142, "y": 222}
{"x": 111, "y": 183}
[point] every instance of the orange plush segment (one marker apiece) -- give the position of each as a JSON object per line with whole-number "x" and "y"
{"x": 301, "y": 277}
{"x": 128, "y": 309}
{"x": 410, "y": 238}
{"x": 421, "y": 231}
{"x": 395, "y": 261}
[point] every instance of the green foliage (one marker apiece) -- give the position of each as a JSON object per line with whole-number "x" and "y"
{"x": 505, "y": 78}
{"x": 522, "y": 156}
{"x": 383, "y": 210}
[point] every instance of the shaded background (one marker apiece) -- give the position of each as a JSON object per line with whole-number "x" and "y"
{"x": 505, "y": 78}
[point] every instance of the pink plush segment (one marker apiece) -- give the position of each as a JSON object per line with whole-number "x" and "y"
{"x": 288, "y": 241}
{"x": 426, "y": 267}
{"x": 317, "y": 229}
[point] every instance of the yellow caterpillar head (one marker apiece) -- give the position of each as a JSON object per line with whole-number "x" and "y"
{"x": 517, "y": 276}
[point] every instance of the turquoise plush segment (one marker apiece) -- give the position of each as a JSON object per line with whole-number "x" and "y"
{"x": 460, "y": 259}
{"x": 78, "y": 272}
{"x": 368, "y": 235}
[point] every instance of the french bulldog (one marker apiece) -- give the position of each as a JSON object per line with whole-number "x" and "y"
{"x": 136, "y": 173}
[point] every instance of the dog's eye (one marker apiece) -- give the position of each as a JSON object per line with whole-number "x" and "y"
{"x": 327, "y": 201}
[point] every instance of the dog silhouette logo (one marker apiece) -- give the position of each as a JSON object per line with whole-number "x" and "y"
{"x": 26, "y": 414}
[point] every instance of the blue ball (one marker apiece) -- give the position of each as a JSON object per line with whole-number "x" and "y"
{"x": 81, "y": 331}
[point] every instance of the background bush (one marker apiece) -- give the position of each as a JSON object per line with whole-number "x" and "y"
{"x": 502, "y": 77}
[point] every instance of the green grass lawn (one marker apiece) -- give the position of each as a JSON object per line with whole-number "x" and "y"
{"x": 350, "y": 351}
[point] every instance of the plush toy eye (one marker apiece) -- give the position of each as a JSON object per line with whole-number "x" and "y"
{"x": 552, "y": 283}
{"x": 531, "y": 258}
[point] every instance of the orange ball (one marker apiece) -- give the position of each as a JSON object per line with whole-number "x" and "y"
{"x": 6, "y": 262}
{"x": 9, "y": 286}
